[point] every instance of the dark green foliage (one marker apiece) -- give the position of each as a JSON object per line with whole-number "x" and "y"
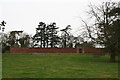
{"x": 46, "y": 35}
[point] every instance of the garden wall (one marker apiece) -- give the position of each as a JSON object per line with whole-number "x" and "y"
{"x": 43, "y": 50}
{"x": 54, "y": 50}
{"x": 93, "y": 50}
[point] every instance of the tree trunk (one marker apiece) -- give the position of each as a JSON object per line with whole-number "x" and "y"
{"x": 112, "y": 57}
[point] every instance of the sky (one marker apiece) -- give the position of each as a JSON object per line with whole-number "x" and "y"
{"x": 25, "y": 15}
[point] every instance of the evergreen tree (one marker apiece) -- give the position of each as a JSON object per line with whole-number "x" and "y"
{"x": 46, "y": 35}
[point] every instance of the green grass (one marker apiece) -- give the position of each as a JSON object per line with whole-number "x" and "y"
{"x": 58, "y": 66}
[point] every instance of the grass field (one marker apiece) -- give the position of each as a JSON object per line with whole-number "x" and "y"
{"x": 58, "y": 66}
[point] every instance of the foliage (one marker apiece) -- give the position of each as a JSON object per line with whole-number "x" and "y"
{"x": 88, "y": 44}
{"x": 13, "y": 37}
{"x": 25, "y": 41}
{"x": 66, "y": 37}
{"x": 16, "y": 38}
{"x": 105, "y": 29}
{"x": 46, "y": 35}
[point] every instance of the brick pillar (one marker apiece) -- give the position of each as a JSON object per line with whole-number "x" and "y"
{"x": 83, "y": 50}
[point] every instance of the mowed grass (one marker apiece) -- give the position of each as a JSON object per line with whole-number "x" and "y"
{"x": 58, "y": 66}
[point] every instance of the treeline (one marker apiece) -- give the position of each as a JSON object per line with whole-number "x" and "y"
{"x": 46, "y": 36}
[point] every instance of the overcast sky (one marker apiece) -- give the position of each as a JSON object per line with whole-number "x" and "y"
{"x": 26, "y": 14}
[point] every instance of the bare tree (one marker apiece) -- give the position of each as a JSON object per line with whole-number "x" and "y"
{"x": 104, "y": 30}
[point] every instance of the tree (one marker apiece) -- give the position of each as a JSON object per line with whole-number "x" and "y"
{"x": 46, "y": 35}
{"x": 3, "y": 42}
{"x": 115, "y": 29}
{"x": 39, "y": 37}
{"x": 13, "y": 38}
{"x": 53, "y": 37}
{"x": 65, "y": 36}
{"x": 105, "y": 29}
{"x": 16, "y": 38}
{"x": 25, "y": 40}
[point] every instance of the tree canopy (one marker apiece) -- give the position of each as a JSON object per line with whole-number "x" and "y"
{"x": 104, "y": 30}
{"x": 46, "y": 35}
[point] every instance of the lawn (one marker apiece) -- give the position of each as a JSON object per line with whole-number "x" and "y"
{"x": 58, "y": 66}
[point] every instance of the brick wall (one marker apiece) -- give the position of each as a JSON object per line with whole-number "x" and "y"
{"x": 43, "y": 50}
{"x": 55, "y": 50}
{"x": 93, "y": 50}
